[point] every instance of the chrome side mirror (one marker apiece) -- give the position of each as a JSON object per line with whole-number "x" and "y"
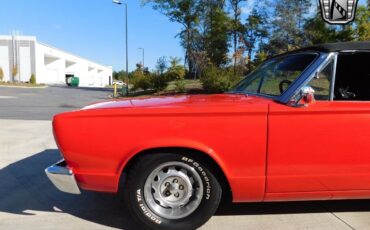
{"x": 307, "y": 95}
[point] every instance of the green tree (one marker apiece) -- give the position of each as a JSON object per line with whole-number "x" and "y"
{"x": 161, "y": 65}
{"x": 236, "y": 27}
{"x": 216, "y": 40}
{"x": 140, "y": 80}
{"x": 260, "y": 57}
{"x": 184, "y": 12}
{"x": 217, "y": 80}
{"x": 256, "y": 31}
{"x": 158, "y": 81}
{"x": 317, "y": 31}
{"x": 201, "y": 61}
{"x": 175, "y": 71}
{"x": 345, "y": 33}
{"x": 290, "y": 17}
{"x": 119, "y": 75}
{"x": 362, "y": 22}
{"x": 33, "y": 79}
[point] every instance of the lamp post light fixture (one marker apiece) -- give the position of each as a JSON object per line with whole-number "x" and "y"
{"x": 143, "y": 57}
{"x": 119, "y": 2}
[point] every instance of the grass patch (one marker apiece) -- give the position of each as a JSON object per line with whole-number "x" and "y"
{"x": 190, "y": 85}
{"x": 21, "y": 84}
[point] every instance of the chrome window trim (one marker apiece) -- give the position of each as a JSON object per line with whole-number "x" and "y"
{"x": 333, "y": 77}
{"x": 307, "y": 76}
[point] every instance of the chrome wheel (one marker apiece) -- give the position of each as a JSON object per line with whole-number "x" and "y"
{"x": 173, "y": 190}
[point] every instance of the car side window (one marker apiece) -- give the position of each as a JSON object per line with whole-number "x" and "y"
{"x": 321, "y": 82}
{"x": 352, "y": 81}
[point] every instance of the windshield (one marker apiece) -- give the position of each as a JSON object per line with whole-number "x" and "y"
{"x": 274, "y": 76}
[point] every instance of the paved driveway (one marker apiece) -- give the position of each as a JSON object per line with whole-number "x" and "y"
{"x": 29, "y": 201}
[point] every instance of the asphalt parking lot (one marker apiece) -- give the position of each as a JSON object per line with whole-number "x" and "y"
{"x": 29, "y": 201}
{"x": 42, "y": 104}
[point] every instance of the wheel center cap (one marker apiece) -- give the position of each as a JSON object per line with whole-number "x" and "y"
{"x": 173, "y": 190}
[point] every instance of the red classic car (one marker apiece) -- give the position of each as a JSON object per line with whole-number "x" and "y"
{"x": 297, "y": 128}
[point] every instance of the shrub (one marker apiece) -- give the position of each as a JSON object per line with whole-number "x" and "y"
{"x": 180, "y": 86}
{"x": 33, "y": 79}
{"x": 216, "y": 80}
{"x": 141, "y": 81}
{"x": 1, "y": 74}
{"x": 159, "y": 81}
{"x": 175, "y": 71}
{"x": 14, "y": 71}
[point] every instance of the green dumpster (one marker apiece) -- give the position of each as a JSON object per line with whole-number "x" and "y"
{"x": 124, "y": 90}
{"x": 75, "y": 81}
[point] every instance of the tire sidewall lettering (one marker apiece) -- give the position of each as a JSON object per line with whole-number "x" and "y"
{"x": 203, "y": 174}
{"x": 144, "y": 209}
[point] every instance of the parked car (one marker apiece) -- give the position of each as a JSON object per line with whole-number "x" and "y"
{"x": 297, "y": 128}
{"x": 119, "y": 83}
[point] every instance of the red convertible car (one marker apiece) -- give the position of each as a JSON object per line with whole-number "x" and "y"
{"x": 297, "y": 128}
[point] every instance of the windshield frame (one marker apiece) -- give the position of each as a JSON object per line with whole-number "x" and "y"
{"x": 306, "y": 73}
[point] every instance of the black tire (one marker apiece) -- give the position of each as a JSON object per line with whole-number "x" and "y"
{"x": 134, "y": 193}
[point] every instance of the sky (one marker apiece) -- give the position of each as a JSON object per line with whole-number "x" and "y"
{"x": 95, "y": 29}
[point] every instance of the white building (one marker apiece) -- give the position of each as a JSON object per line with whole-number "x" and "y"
{"x": 23, "y": 56}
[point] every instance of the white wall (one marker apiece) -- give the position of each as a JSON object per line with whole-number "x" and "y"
{"x": 4, "y": 62}
{"x": 87, "y": 71}
{"x": 24, "y": 64}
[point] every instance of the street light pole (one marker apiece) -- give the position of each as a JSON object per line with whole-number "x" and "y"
{"x": 143, "y": 57}
{"x": 118, "y": 2}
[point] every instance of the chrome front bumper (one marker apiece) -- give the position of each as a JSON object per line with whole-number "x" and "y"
{"x": 63, "y": 178}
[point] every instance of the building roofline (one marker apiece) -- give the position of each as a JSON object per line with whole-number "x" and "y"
{"x": 20, "y": 37}
{"x": 34, "y": 38}
{"x": 70, "y": 53}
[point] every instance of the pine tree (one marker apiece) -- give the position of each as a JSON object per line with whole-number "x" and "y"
{"x": 256, "y": 32}
{"x": 317, "y": 31}
{"x": 237, "y": 27}
{"x": 362, "y": 22}
{"x": 290, "y": 17}
{"x": 216, "y": 39}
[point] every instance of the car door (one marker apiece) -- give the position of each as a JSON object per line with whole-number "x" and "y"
{"x": 324, "y": 147}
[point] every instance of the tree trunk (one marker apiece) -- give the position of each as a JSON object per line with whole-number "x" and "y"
{"x": 189, "y": 52}
{"x": 249, "y": 59}
{"x": 235, "y": 39}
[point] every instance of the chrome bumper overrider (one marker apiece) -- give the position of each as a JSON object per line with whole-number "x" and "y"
{"x": 63, "y": 178}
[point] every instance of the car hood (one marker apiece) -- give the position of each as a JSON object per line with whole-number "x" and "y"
{"x": 180, "y": 101}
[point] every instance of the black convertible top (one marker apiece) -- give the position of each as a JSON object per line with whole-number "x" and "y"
{"x": 336, "y": 47}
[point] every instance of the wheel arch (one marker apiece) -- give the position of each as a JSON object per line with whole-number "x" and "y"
{"x": 203, "y": 156}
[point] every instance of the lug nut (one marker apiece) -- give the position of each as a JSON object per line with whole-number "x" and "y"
{"x": 181, "y": 187}
{"x": 175, "y": 181}
{"x": 168, "y": 193}
{"x": 177, "y": 195}
{"x": 167, "y": 184}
